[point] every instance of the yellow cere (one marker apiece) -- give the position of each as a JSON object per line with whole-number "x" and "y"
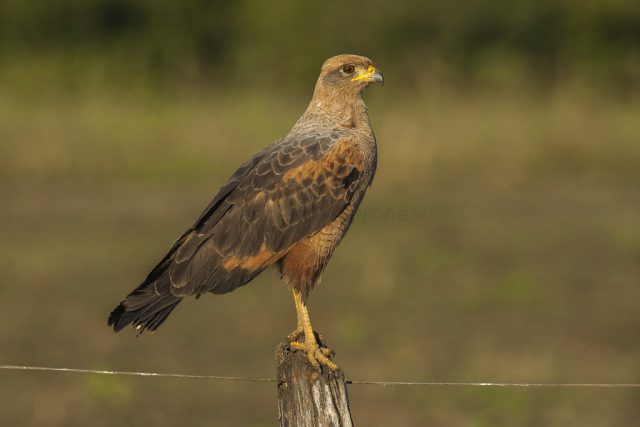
{"x": 365, "y": 75}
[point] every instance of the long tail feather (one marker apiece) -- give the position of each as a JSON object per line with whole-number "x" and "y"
{"x": 144, "y": 309}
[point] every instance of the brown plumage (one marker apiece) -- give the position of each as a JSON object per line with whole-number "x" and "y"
{"x": 289, "y": 205}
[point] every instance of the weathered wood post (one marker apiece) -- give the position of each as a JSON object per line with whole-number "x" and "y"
{"x": 306, "y": 397}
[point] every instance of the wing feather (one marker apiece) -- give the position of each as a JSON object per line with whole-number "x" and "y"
{"x": 286, "y": 193}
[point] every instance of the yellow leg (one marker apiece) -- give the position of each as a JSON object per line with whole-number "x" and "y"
{"x": 317, "y": 355}
{"x": 299, "y": 328}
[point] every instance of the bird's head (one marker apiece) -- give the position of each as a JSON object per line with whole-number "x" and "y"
{"x": 347, "y": 75}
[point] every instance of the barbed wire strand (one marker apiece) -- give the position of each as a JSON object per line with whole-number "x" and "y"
{"x": 128, "y": 373}
{"x": 355, "y": 382}
{"x": 496, "y": 384}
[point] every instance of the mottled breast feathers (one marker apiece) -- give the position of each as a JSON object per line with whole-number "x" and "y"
{"x": 285, "y": 193}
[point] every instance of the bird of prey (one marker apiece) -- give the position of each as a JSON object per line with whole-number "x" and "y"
{"x": 288, "y": 206}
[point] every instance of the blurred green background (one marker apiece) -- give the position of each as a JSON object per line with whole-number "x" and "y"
{"x": 499, "y": 242}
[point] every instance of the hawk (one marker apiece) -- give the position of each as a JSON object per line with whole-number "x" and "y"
{"x": 287, "y": 206}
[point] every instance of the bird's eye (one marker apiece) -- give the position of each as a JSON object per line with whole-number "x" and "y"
{"x": 348, "y": 69}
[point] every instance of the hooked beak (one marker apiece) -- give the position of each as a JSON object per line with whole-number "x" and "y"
{"x": 370, "y": 75}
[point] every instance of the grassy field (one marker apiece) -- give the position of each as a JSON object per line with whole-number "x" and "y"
{"x": 499, "y": 242}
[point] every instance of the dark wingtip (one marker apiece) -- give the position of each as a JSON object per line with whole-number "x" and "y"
{"x": 142, "y": 321}
{"x": 116, "y": 318}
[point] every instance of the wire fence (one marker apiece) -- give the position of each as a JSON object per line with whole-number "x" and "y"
{"x": 355, "y": 382}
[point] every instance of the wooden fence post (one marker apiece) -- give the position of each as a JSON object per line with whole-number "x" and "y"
{"x": 306, "y": 397}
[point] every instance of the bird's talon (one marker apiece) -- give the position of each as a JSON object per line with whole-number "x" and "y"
{"x": 317, "y": 355}
{"x": 321, "y": 358}
{"x": 313, "y": 360}
{"x": 327, "y": 351}
{"x": 295, "y": 346}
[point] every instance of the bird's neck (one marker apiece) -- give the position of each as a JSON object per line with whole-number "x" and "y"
{"x": 335, "y": 112}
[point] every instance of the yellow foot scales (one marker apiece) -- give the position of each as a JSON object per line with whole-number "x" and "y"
{"x": 293, "y": 336}
{"x": 298, "y": 333}
{"x": 317, "y": 355}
